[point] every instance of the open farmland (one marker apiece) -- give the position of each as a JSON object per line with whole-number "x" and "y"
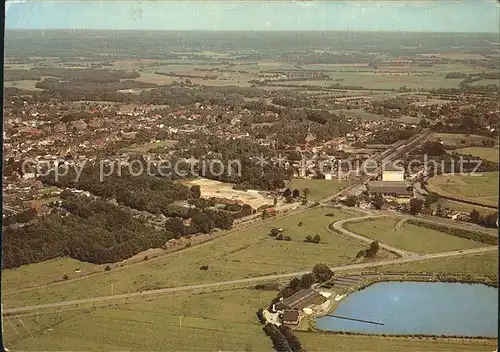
{"x": 490, "y": 154}
{"x": 344, "y": 343}
{"x": 410, "y": 237}
{"x": 364, "y": 115}
{"x": 23, "y": 84}
{"x": 369, "y": 80}
{"x": 480, "y": 188}
{"x": 33, "y": 275}
{"x": 318, "y": 188}
{"x": 454, "y": 141}
{"x": 225, "y": 321}
{"x": 485, "y": 82}
{"x": 243, "y": 254}
{"x": 479, "y": 264}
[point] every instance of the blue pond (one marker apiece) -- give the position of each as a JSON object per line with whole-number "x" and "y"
{"x": 419, "y": 308}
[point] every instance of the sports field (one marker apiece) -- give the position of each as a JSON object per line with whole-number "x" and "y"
{"x": 410, "y": 237}
{"x": 243, "y": 254}
{"x": 481, "y": 188}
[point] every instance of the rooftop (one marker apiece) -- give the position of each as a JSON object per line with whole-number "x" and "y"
{"x": 396, "y": 187}
{"x": 300, "y": 300}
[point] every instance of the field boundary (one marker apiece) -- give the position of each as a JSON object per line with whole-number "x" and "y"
{"x": 461, "y": 200}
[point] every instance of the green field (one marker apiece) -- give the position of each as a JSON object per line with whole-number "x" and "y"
{"x": 319, "y": 189}
{"x": 213, "y": 321}
{"x": 243, "y": 254}
{"x": 462, "y": 207}
{"x": 24, "y": 84}
{"x": 144, "y": 148}
{"x": 479, "y": 264}
{"x": 456, "y": 140}
{"x": 410, "y": 237}
{"x": 344, "y": 343}
{"x": 49, "y": 271}
{"x": 480, "y": 188}
{"x": 490, "y": 154}
{"x": 485, "y": 82}
{"x": 369, "y": 80}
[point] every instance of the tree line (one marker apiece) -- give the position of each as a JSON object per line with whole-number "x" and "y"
{"x": 90, "y": 230}
{"x": 141, "y": 192}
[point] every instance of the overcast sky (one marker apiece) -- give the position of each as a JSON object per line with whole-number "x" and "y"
{"x": 432, "y": 16}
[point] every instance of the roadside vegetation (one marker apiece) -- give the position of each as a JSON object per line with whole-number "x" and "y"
{"x": 410, "y": 237}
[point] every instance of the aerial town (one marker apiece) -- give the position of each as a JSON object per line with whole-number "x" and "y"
{"x": 264, "y": 195}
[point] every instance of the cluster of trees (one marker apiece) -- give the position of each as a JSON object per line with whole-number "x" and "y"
{"x": 76, "y": 115}
{"x": 382, "y": 137}
{"x": 67, "y": 74}
{"x": 246, "y": 173}
{"x": 351, "y": 201}
{"x": 470, "y": 235}
{"x": 377, "y": 201}
{"x": 279, "y": 235}
{"x": 182, "y": 75}
{"x": 370, "y": 252}
{"x": 489, "y": 220}
{"x": 456, "y": 75}
{"x": 63, "y": 88}
{"x": 141, "y": 192}
{"x": 416, "y": 206}
{"x": 469, "y": 124}
{"x": 21, "y": 217}
{"x": 433, "y": 149}
{"x": 202, "y": 221}
{"x": 283, "y": 338}
{"x": 320, "y": 273}
{"x": 490, "y": 89}
{"x": 89, "y": 230}
{"x": 452, "y": 163}
{"x": 311, "y": 239}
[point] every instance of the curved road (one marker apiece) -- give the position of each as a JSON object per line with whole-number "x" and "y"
{"x": 339, "y": 226}
{"x": 248, "y": 280}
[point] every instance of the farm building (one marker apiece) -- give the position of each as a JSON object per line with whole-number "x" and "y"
{"x": 300, "y": 300}
{"x": 290, "y": 317}
{"x": 390, "y": 189}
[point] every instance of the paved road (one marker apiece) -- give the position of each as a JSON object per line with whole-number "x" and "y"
{"x": 238, "y": 227}
{"x": 456, "y": 224}
{"x": 339, "y": 226}
{"x": 441, "y": 222}
{"x": 247, "y": 281}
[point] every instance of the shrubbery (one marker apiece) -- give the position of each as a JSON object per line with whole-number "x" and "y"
{"x": 470, "y": 235}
